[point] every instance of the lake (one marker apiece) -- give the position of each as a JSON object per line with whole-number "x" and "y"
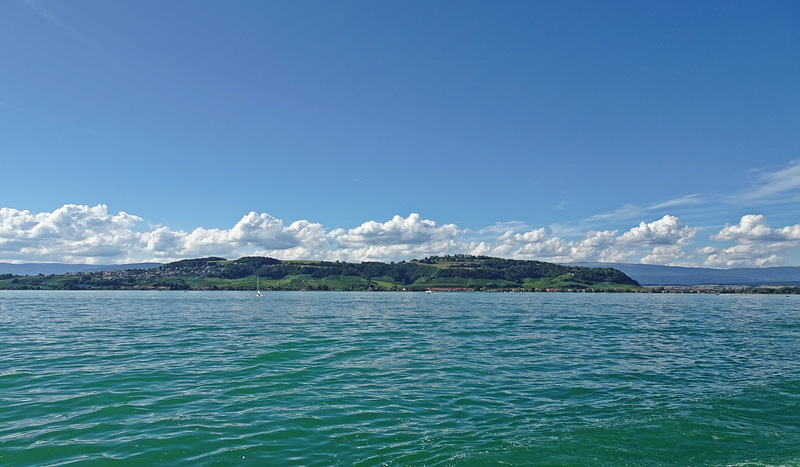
{"x": 349, "y": 378}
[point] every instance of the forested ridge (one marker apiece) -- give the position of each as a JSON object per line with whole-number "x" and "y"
{"x": 447, "y": 272}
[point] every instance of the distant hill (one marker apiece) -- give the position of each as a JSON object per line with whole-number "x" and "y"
{"x": 649, "y": 274}
{"x": 33, "y": 269}
{"x": 450, "y": 272}
{"x": 644, "y": 274}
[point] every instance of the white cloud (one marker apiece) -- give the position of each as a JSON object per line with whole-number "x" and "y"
{"x": 775, "y": 183}
{"x": 503, "y": 227}
{"x": 629, "y": 211}
{"x": 398, "y": 231}
{"x": 662, "y": 241}
{"x": 688, "y": 200}
{"x": 600, "y": 246}
{"x": 71, "y": 233}
{"x": 163, "y": 242}
{"x": 310, "y": 241}
{"x": 666, "y": 231}
{"x": 741, "y": 255}
{"x": 665, "y": 254}
{"x": 253, "y": 234}
{"x": 632, "y": 211}
{"x": 754, "y": 228}
{"x": 534, "y": 244}
{"x": 757, "y": 243}
{"x": 399, "y": 238}
{"x": 83, "y": 234}
{"x": 86, "y": 234}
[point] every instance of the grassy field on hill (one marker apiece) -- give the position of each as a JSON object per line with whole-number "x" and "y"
{"x": 457, "y": 272}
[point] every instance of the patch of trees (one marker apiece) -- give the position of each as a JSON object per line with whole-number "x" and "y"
{"x": 777, "y": 290}
{"x": 483, "y": 267}
{"x": 469, "y": 267}
{"x": 176, "y": 274}
{"x": 220, "y": 267}
{"x": 405, "y": 273}
{"x": 603, "y": 275}
{"x": 192, "y": 263}
{"x": 244, "y": 267}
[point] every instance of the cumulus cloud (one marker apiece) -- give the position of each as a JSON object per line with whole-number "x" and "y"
{"x": 253, "y": 234}
{"x": 665, "y": 254}
{"x": 666, "y": 231}
{"x": 600, "y": 246}
{"x": 310, "y": 241}
{"x": 754, "y": 228}
{"x": 741, "y": 255}
{"x": 661, "y": 241}
{"x": 533, "y": 244}
{"x": 757, "y": 243}
{"x": 71, "y": 233}
{"x": 84, "y": 234}
{"x": 398, "y": 238}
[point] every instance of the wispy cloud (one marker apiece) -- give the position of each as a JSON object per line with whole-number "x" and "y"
{"x": 67, "y": 29}
{"x": 781, "y": 185}
{"x": 633, "y": 211}
{"x": 76, "y": 35}
{"x": 771, "y": 184}
{"x": 501, "y": 228}
{"x": 623, "y": 213}
{"x": 687, "y": 200}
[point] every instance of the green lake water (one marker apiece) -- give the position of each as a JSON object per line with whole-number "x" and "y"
{"x": 340, "y": 378}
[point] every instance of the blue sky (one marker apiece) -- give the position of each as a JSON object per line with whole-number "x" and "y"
{"x": 641, "y": 131}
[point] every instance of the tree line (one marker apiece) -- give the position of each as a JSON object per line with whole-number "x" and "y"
{"x": 469, "y": 267}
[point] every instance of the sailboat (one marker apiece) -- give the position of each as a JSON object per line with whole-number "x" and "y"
{"x": 258, "y": 292}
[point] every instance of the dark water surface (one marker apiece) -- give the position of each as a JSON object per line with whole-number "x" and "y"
{"x": 338, "y": 378}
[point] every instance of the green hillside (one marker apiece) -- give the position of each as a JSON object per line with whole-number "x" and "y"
{"x": 456, "y": 272}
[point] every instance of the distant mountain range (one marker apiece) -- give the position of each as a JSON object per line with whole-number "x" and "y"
{"x": 649, "y": 274}
{"x": 33, "y": 269}
{"x": 645, "y": 274}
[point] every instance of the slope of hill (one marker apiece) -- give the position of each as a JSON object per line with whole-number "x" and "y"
{"x": 644, "y": 274}
{"x": 649, "y": 274}
{"x": 33, "y": 269}
{"x": 457, "y": 272}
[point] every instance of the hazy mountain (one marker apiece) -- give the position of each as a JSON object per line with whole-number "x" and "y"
{"x": 33, "y": 269}
{"x": 649, "y": 274}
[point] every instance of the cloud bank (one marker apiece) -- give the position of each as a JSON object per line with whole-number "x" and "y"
{"x": 84, "y": 234}
{"x": 756, "y": 242}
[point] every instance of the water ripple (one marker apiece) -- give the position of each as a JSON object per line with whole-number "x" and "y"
{"x": 403, "y": 379}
